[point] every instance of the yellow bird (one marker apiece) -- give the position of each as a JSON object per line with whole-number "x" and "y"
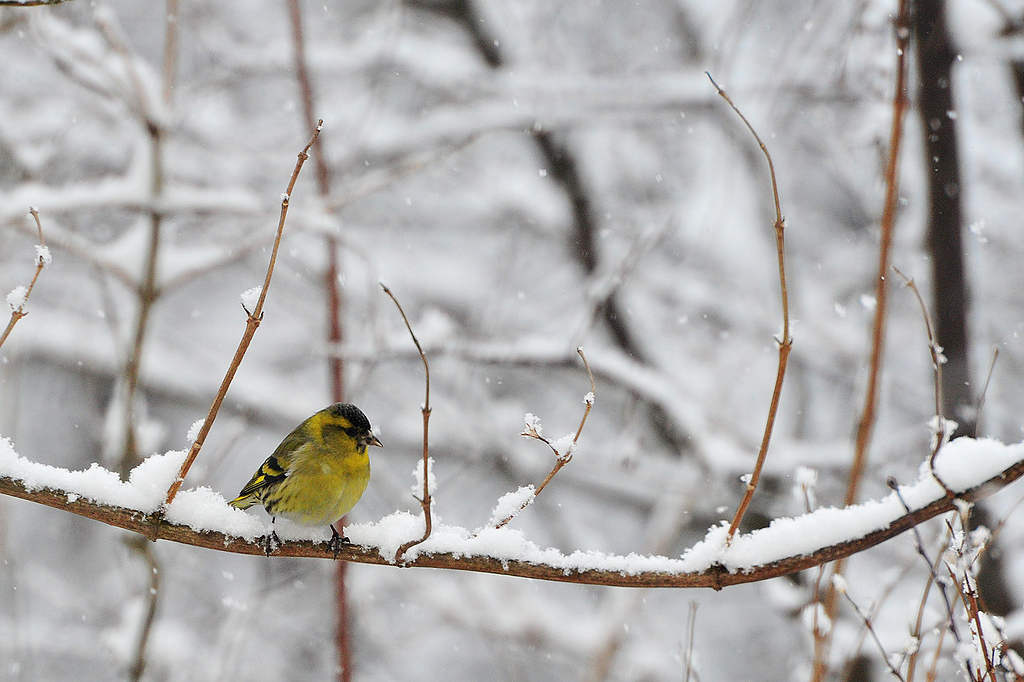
{"x": 317, "y": 474}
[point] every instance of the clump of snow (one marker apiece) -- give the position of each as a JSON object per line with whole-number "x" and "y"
{"x": 16, "y": 298}
{"x": 203, "y": 509}
{"x": 840, "y": 584}
{"x": 43, "y": 254}
{"x": 193, "y": 431}
{"x": 589, "y": 398}
{"x": 533, "y": 426}
{"x": 564, "y": 446}
{"x": 417, "y": 474}
{"x": 144, "y": 491}
{"x": 511, "y": 503}
{"x": 250, "y": 297}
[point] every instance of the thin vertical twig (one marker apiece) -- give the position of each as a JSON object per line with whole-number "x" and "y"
{"x": 42, "y": 258}
{"x": 935, "y": 351}
{"x": 785, "y": 343}
{"x": 867, "y": 419}
{"x": 252, "y": 323}
{"x": 425, "y": 410}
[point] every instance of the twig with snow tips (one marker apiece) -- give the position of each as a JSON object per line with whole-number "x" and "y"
{"x": 533, "y": 430}
{"x": 425, "y": 409}
{"x": 839, "y": 584}
{"x": 19, "y": 296}
{"x": 940, "y": 433}
{"x": 785, "y": 343}
{"x": 255, "y": 316}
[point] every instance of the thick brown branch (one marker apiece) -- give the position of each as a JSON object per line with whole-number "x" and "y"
{"x": 715, "y": 577}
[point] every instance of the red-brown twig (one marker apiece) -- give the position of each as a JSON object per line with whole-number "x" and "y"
{"x": 335, "y": 365}
{"x": 42, "y": 258}
{"x": 867, "y": 418}
{"x": 253, "y": 321}
{"x": 785, "y": 342}
{"x": 425, "y": 409}
{"x": 561, "y": 458}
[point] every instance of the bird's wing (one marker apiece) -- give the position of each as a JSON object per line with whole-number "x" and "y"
{"x": 276, "y": 468}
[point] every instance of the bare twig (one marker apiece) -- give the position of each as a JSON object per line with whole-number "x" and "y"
{"x": 932, "y": 565}
{"x": 253, "y": 321}
{"x": 42, "y": 258}
{"x": 691, "y": 630}
{"x": 561, "y": 458}
{"x": 866, "y": 619}
{"x": 935, "y": 350}
{"x": 425, "y": 410}
{"x": 984, "y": 390}
{"x": 899, "y": 109}
{"x": 866, "y": 424}
{"x": 785, "y": 343}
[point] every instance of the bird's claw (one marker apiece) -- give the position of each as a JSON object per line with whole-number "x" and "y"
{"x": 271, "y": 542}
{"x": 337, "y": 541}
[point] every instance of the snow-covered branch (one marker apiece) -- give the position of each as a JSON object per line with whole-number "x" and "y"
{"x": 201, "y": 517}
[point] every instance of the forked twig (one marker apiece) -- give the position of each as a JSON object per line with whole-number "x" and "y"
{"x": 425, "y": 409}
{"x": 561, "y": 458}
{"x": 785, "y": 343}
{"x": 42, "y": 260}
{"x": 251, "y": 324}
{"x": 935, "y": 349}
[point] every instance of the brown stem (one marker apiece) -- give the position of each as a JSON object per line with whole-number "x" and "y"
{"x": 785, "y": 343}
{"x": 253, "y": 321}
{"x": 40, "y": 264}
{"x": 867, "y": 419}
{"x": 425, "y": 410}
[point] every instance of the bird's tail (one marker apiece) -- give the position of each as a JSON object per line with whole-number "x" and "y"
{"x": 244, "y": 501}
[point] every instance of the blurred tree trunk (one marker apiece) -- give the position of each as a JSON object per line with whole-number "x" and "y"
{"x": 950, "y": 304}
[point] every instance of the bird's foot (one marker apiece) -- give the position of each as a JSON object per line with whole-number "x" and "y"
{"x": 337, "y": 541}
{"x": 271, "y": 542}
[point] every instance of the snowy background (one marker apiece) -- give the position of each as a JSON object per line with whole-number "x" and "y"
{"x": 448, "y": 158}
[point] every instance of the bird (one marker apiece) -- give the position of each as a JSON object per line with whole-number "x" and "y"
{"x": 316, "y": 475}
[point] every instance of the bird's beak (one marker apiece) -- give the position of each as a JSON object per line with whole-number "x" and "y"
{"x": 373, "y": 440}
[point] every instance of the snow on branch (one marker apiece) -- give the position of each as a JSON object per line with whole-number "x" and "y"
{"x": 201, "y": 517}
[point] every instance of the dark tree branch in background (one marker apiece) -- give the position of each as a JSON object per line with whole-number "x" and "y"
{"x": 937, "y": 110}
{"x": 332, "y": 296}
{"x": 560, "y": 161}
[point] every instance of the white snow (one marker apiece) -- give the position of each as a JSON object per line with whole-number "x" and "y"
{"x": 511, "y": 503}
{"x": 16, "y": 298}
{"x": 193, "y": 431}
{"x": 250, "y": 297}
{"x": 43, "y": 254}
